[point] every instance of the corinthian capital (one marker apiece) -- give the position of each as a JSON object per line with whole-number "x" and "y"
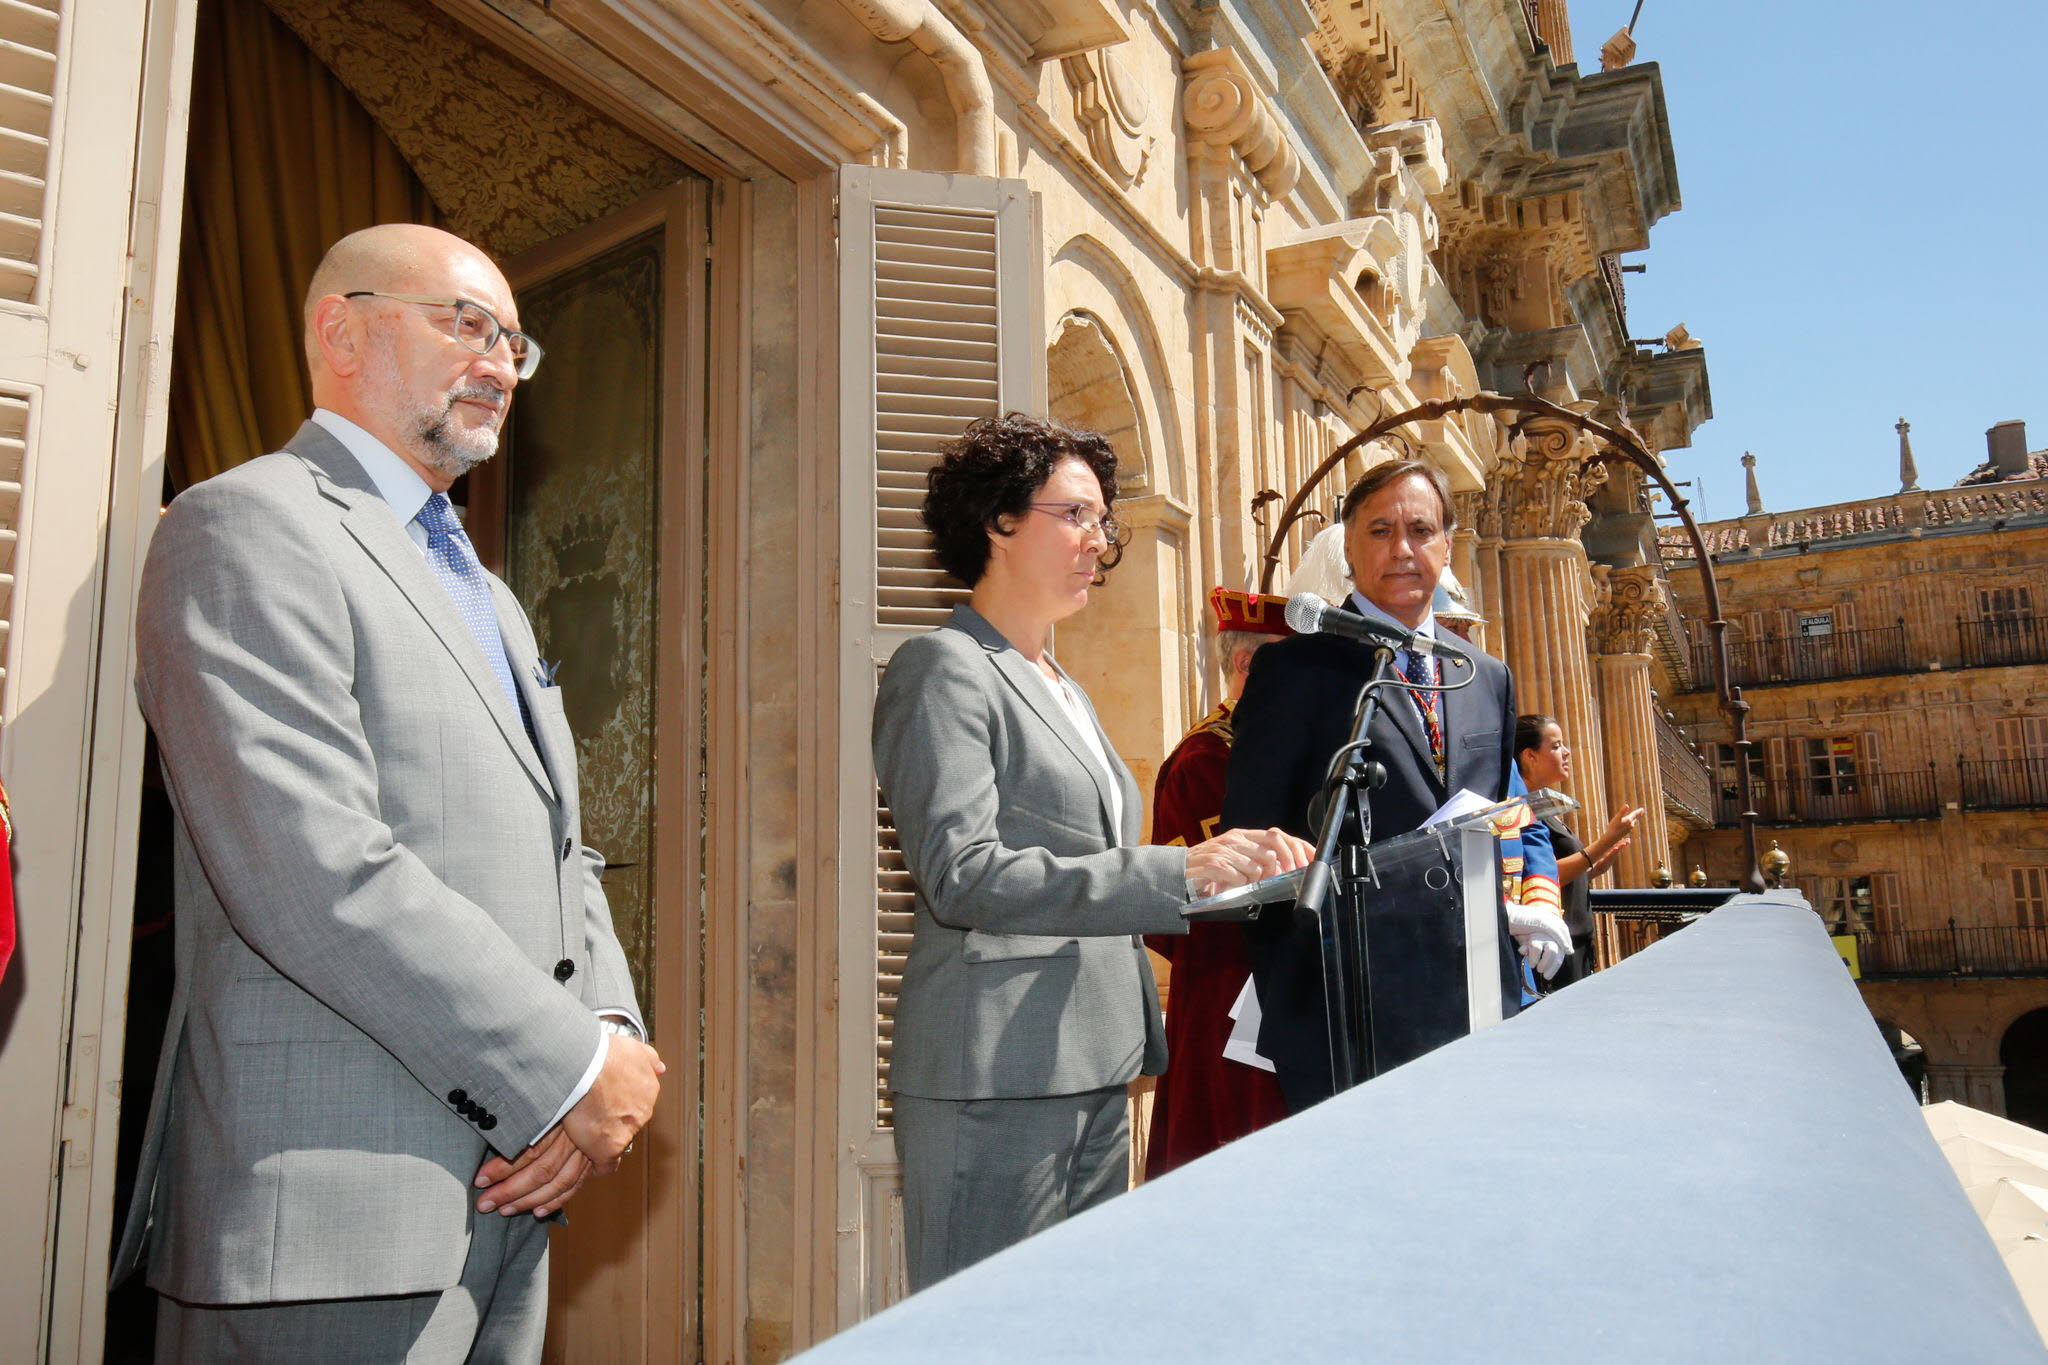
{"x": 1633, "y": 600}
{"x": 1545, "y": 480}
{"x": 1224, "y": 108}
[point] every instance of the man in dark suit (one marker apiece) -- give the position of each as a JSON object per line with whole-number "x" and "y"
{"x": 1297, "y": 712}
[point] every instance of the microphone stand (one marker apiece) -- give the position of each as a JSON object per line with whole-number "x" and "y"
{"x": 1341, "y": 931}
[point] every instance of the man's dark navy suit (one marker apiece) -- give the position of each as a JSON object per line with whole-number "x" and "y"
{"x": 1295, "y": 714}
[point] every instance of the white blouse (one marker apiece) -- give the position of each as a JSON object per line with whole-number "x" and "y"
{"x": 1063, "y": 693}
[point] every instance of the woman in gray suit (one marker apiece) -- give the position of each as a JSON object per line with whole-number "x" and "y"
{"x": 1027, "y": 1001}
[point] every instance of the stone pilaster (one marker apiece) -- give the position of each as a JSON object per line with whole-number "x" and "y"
{"x": 1465, "y": 564}
{"x": 1980, "y": 1087}
{"x": 1546, "y": 584}
{"x": 1623, "y": 626}
{"x": 1480, "y": 513}
{"x": 1239, "y": 161}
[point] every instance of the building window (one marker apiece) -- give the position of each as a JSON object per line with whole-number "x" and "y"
{"x": 2030, "y": 897}
{"x": 1863, "y": 904}
{"x": 1724, "y": 765}
{"x": 1831, "y": 765}
{"x": 2005, "y": 603}
{"x": 2020, "y": 738}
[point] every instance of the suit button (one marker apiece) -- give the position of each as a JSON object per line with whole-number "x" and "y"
{"x": 564, "y": 969}
{"x": 565, "y": 848}
{"x": 487, "y": 1122}
{"x": 458, "y": 1098}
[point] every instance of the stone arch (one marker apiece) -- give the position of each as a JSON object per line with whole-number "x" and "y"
{"x": 2023, "y": 1052}
{"x": 1089, "y": 385}
{"x": 1087, "y": 282}
{"x": 1909, "y": 1053}
{"x": 1134, "y": 648}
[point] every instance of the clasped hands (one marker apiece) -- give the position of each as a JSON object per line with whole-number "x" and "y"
{"x": 590, "y": 1139}
{"x": 1237, "y": 857}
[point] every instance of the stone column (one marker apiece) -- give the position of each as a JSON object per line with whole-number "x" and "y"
{"x": 1554, "y": 26}
{"x": 1546, "y": 584}
{"x": 1622, "y": 631}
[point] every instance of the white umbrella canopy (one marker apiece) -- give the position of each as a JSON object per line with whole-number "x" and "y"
{"x": 2003, "y": 1167}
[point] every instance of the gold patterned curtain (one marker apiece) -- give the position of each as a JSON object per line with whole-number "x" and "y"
{"x": 283, "y": 160}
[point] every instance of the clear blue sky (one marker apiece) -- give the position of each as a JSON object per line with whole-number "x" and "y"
{"x": 1862, "y": 236}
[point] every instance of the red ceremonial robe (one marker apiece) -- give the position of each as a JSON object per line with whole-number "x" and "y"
{"x": 1203, "y": 1100}
{"x": 6, "y": 883}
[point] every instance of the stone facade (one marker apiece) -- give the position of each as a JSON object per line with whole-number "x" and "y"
{"x": 1229, "y": 233}
{"x": 1895, "y": 661}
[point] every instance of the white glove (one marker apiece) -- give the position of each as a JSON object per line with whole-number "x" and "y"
{"x": 1544, "y": 940}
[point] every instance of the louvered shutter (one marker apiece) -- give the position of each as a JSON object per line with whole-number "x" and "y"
{"x": 92, "y": 108}
{"x": 940, "y": 323}
{"x": 28, "y": 86}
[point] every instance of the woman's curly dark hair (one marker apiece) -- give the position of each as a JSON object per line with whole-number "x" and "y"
{"x": 993, "y": 470}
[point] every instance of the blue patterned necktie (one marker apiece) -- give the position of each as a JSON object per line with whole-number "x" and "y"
{"x": 1421, "y": 675}
{"x": 455, "y": 564}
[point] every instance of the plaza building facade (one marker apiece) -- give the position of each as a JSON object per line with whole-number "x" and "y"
{"x": 1893, "y": 652}
{"x": 779, "y": 250}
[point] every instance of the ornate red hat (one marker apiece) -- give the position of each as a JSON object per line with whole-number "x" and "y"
{"x": 1259, "y": 613}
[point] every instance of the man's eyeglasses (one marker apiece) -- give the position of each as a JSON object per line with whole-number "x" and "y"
{"x": 1078, "y": 516}
{"x": 473, "y": 326}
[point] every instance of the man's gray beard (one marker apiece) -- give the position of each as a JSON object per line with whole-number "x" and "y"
{"x": 449, "y": 450}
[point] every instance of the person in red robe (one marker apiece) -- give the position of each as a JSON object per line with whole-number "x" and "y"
{"x": 6, "y": 883}
{"x": 1205, "y": 1100}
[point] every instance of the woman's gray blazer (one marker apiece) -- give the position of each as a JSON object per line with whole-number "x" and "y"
{"x": 1025, "y": 976}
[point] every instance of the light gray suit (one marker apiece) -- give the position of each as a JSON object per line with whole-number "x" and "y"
{"x": 391, "y": 943}
{"x": 1024, "y": 978}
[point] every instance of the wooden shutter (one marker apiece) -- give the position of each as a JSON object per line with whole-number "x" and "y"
{"x": 941, "y": 322}
{"x": 92, "y": 110}
{"x": 28, "y": 87}
{"x": 2030, "y": 897}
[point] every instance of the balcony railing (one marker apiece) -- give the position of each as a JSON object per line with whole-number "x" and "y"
{"x": 1688, "y": 781}
{"x": 1838, "y": 800}
{"x": 1959, "y": 950}
{"x": 2004, "y": 640}
{"x": 1805, "y": 658}
{"x": 2004, "y": 783}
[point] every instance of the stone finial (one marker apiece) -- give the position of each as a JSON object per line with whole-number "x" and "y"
{"x": 1909, "y": 475}
{"x": 1749, "y": 488}
{"x": 1224, "y": 107}
{"x": 1617, "y": 52}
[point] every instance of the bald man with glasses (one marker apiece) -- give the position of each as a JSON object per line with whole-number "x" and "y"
{"x": 403, "y": 1033}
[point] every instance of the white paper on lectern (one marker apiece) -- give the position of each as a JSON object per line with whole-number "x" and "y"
{"x": 1463, "y": 802}
{"x": 1243, "y": 1043}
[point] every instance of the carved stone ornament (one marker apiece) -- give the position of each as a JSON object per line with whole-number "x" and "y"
{"x": 1225, "y": 109}
{"x": 1113, "y": 109}
{"x": 511, "y": 160}
{"x": 1545, "y": 481}
{"x": 1632, "y": 602}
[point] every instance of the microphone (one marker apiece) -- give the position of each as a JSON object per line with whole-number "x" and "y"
{"x": 1308, "y": 614}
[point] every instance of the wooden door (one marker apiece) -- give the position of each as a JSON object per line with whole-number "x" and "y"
{"x": 593, "y": 511}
